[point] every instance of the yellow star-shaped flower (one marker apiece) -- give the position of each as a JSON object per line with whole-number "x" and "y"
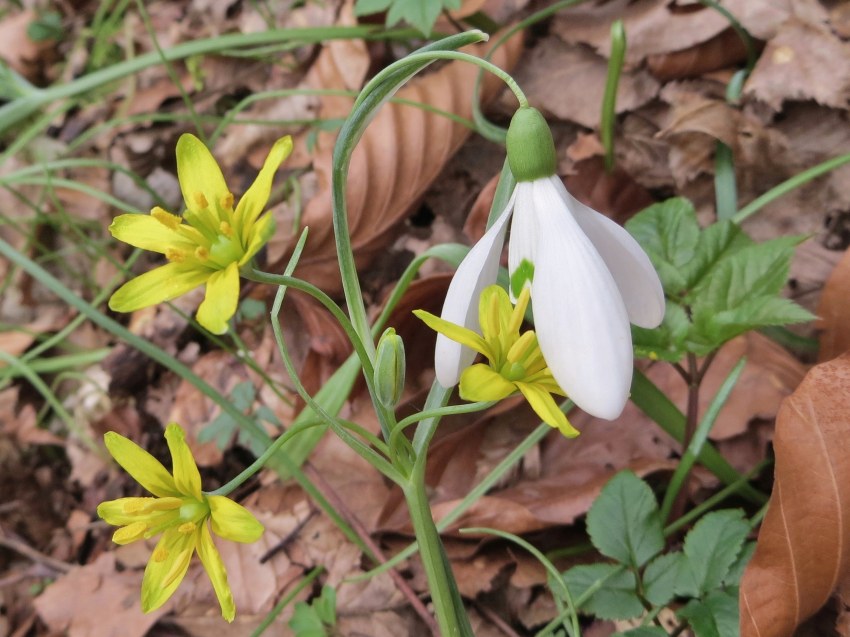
{"x": 181, "y": 512}
{"x": 208, "y": 244}
{"x": 515, "y": 362}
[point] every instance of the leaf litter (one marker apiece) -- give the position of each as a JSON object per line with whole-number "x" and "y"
{"x": 672, "y": 111}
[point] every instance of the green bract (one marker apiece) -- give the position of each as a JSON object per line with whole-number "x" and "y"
{"x": 531, "y": 149}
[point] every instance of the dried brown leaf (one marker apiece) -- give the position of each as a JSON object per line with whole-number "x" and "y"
{"x": 834, "y": 312}
{"x": 96, "y": 601}
{"x": 805, "y": 61}
{"x": 552, "y": 72}
{"x": 662, "y": 26}
{"x": 802, "y": 552}
{"x": 401, "y": 152}
{"x": 722, "y": 51}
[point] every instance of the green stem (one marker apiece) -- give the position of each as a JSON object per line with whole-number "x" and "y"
{"x": 448, "y": 606}
{"x": 13, "y": 112}
{"x": 612, "y": 83}
{"x": 788, "y": 185}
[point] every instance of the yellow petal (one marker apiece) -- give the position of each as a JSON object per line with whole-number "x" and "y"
{"x": 454, "y": 332}
{"x": 145, "y": 232}
{"x": 544, "y": 406}
{"x": 145, "y": 469}
{"x": 211, "y": 559}
{"x": 187, "y": 478}
{"x": 220, "y": 302}
{"x": 254, "y": 200}
{"x": 161, "y": 284}
{"x": 124, "y": 510}
{"x": 480, "y": 383}
{"x": 199, "y": 174}
{"x": 261, "y": 232}
{"x": 166, "y": 568}
{"x": 130, "y": 533}
{"x": 232, "y": 521}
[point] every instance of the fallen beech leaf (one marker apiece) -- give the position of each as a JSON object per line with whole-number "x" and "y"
{"x": 19, "y": 51}
{"x": 722, "y": 51}
{"x": 662, "y": 26}
{"x": 399, "y": 155}
{"x": 802, "y": 552}
{"x": 551, "y": 72}
{"x": 615, "y": 194}
{"x": 834, "y": 312}
{"x": 805, "y": 60}
{"x": 96, "y": 601}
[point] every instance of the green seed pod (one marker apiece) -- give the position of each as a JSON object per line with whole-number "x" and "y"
{"x": 389, "y": 368}
{"x": 531, "y": 149}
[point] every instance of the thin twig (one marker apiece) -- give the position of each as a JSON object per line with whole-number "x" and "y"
{"x": 490, "y": 615}
{"x": 36, "y": 556}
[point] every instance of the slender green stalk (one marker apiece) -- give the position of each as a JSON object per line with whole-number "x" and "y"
{"x": 555, "y": 577}
{"x": 451, "y": 615}
{"x": 612, "y": 83}
{"x": 21, "y": 108}
{"x": 788, "y": 185}
{"x": 286, "y": 600}
{"x": 700, "y": 436}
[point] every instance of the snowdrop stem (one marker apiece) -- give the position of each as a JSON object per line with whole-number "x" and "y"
{"x": 448, "y": 605}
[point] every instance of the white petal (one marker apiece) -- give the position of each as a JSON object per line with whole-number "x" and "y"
{"x": 581, "y": 321}
{"x": 631, "y": 268}
{"x": 478, "y": 269}
{"x": 523, "y": 230}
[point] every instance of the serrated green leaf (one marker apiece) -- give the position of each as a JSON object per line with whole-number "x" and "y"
{"x": 643, "y": 631}
{"x": 325, "y": 605}
{"x": 667, "y": 341}
{"x": 756, "y": 270}
{"x": 715, "y": 616}
{"x": 716, "y": 242}
{"x": 616, "y": 597}
{"x": 420, "y": 14}
{"x": 712, "y": 546}
{"x": 733, "y": 577}
{"x": 669, "y": 233}
{"x": 305, "y": 621}
{"x": 711, "y": 328}
{"x": 623, "y": 522}
{"x": 660, "y": 576}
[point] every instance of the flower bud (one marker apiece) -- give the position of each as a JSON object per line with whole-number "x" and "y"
{"x": 531, "y": 150}
{"x": 389, "y": 368}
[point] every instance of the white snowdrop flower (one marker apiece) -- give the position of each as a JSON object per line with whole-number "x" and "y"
{"x": 589, "y": 279}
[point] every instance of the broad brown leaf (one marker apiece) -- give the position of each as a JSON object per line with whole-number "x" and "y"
{"x": 802, "y": 552}
{"x": 834, "y": 312}
{"x": 722, "y": 51}
{"x": 399, "y": 155}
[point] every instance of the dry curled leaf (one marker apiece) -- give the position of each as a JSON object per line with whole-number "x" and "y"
{"x": 834, "y": 312}
{"x": 402, "y": 151}
{"x": 802, "y": 552}
{"x": 805, "y": 60}
{"x": 724, "y": 50}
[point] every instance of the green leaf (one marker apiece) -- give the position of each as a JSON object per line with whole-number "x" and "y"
{"x": 659, "y": 578}
{"x": 221, "y": 429}
{"x": 756, "y": 270}
{"x": 715, "y": 616}
{"x": 616, "y": 597}
{"x": 47, "y": 26}
{"x": 316, "y": 619}
{"x": 667, "y": 341}
{"x": 712, "y": 329}
{"x": 623, "y": 522}
{"x": 669, "y": 233}
{"x": 712, "y": 546}
{"x": 733, "y": 577}
{"x": 716, "y": 242}
{"x": 421, "y": 14}
{"x": 644, "y": 631}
